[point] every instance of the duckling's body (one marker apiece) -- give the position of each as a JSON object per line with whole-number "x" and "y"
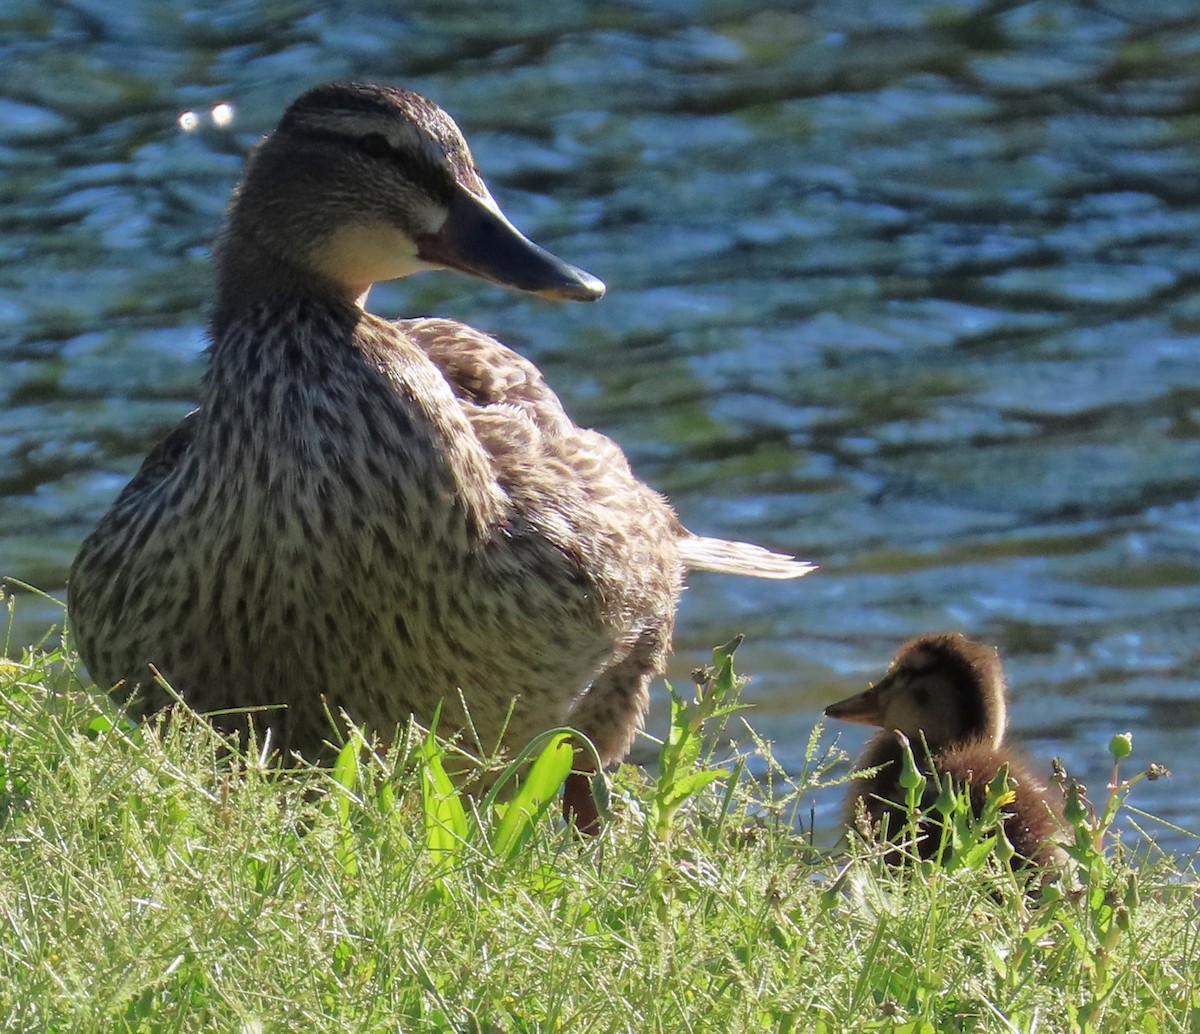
{"x": 946, "y": 694}
{"x": 374, "y": 516}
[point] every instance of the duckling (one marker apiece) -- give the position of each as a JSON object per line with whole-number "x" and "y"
{"x": 384, "y": 517}
{"x": 951, "y": 690}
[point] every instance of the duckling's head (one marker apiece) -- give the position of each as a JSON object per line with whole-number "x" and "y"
{"x": 945, "y": 685}
{"x": 361, "y": 183}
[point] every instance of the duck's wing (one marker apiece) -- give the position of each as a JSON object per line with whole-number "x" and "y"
{"x": 169, "y": 453}
{"x": 142, "y": 495}
{"x": 96, "y": 591}
{"x": 511, "y": 405}
{"x": 572, "y": 485}
{"x": 515, "y": 413}
{"x": 482, "y": 371}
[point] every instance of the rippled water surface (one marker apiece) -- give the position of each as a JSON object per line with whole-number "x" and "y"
{"x": 910, "y": 289}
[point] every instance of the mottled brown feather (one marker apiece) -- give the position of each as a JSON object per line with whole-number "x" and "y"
{"x": 376, "y": 516}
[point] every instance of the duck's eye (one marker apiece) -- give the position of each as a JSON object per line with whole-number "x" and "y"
{"x": 376, "y": 145}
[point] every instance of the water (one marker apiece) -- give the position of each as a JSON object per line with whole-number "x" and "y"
{"x": 909, "y": 289}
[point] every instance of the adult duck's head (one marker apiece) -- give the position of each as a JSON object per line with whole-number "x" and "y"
{"x": 944, "y": 685}
{"x": 362, "y": 183}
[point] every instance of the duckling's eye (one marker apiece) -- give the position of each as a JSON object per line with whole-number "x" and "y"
{"x": 376, "y": 145}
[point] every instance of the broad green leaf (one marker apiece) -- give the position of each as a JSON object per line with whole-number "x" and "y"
{"x": 692, "y": 783}
{"x": 541, "y": 787}
{"x": 345, "y": 777}
{"x": 345, "y": 774}
{"x": 445, "y": 817}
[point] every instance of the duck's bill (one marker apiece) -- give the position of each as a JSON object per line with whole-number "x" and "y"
{"x": 862, "y": 708}
{"x": 477, "y": 239}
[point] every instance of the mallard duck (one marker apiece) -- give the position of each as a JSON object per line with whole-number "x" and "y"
{"x": 384, "y": 517}
{"x": 951, "y": 690}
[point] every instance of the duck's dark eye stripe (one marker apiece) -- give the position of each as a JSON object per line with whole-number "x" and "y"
{"x": 438, "y": 181}
{"x": 376, "y": 145}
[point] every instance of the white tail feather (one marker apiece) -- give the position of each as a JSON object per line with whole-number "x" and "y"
{"x": 705, "y": 554}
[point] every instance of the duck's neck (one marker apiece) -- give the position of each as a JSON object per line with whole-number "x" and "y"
{"x": 252, "y": 276}
{"x": 980, "y": 729}
{"x": 276, "y": 326}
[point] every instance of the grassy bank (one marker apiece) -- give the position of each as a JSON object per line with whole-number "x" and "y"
{"x": 153, "y": 880}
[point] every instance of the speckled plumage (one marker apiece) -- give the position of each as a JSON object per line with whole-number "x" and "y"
{"x": 370, "y": 515}
{"x": 951, "y": 691}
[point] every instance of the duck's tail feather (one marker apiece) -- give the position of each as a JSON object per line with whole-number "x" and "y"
{"x": 705, "y": 554}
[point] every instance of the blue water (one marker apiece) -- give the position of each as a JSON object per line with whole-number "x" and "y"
{"x": 909, "y": 289}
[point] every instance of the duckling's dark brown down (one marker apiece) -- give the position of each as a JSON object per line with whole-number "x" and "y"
{"x": 950, "y": 690}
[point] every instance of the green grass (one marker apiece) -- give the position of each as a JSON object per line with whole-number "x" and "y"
{"x": 156, "y": 879}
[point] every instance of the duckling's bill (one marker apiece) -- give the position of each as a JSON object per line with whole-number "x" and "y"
{"x": 865, "y": 708}
{"x": 476, "y": 238}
